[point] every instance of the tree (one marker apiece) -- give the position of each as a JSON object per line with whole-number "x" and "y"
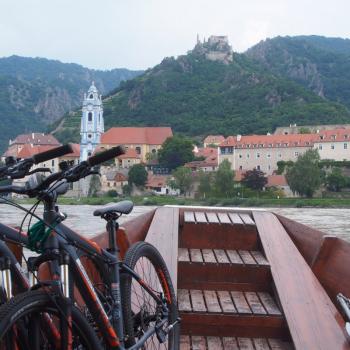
{"x": 95, "y": 185}
{"x": 254, "y": 179}
{"x": 175, "y": 152}
{"x": 305, "y": 176}
{"x": 335, "y": 181}
{"x": 205, "y": 184}
{"x": 224, "y": 179}
{"x": 137, "y": 175}
{"x": 182, "y": 180}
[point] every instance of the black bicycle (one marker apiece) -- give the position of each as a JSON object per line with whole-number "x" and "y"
{"x": 135, "y": 307}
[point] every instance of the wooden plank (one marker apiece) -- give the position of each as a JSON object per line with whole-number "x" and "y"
{"x": 255, "y": 303}
{"x": 221, "y": 256}
{"x": 235, "y": 218}
{"x": 247, "y": 219}
{"x": 247, "y": 257}
{"x": 224, "y": 219}
{"x": 184, "y": 255}
{"x": 214, "y": 343}
{"x": 211, "y": 299}
{"x": 163, "y": 234}
{"x": 198, "y": 304}
{"x": 198, "y": 343}
{"x": 234, "y": 256}
{"x": 189, "y": 217}
{"x": 245, "y": 343}
{"x": 212, "y": 218}
{"x": 226, "y": 302}
{"x": 196, "y": 255}
{"x": 240, "y": 302}
{"x": 209, "y": 256}
{"x": 277, "y": 344}
{"x": 230, "y": 343}
{"x": 269, "y": 304}
{"x": 200, "y": 217}
{"x": 261, "y": 344}
{"x": 312, "y": 318}
{"x": 183, "y": 300}
{"x": 185, "y": 342}
{"x": 260, "y": 259}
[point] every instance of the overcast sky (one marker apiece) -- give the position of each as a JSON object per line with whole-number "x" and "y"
{"x": 138, "y": 34}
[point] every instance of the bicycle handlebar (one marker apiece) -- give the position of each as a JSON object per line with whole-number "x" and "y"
{"x": 53, "y": 153}
{"x": 106, "y": 155}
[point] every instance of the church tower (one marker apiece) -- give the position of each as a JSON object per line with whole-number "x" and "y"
{"x": 92, "y": 125}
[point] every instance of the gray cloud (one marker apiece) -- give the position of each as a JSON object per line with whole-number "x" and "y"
{"x": 137, "y": 34}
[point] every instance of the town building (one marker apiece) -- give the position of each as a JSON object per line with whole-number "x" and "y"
{"x": 113, "y": 179}
{"x": 209, "y": 162}
{"x": 263, "y": 152}
{"x": 214, "y": 140}
{"x": 32, "y": 139}
{"x": 145, "y": 141}
{"x": 92, "y": 124}
{"x": 158, "y": 184}
{"x": 313, "y": 129}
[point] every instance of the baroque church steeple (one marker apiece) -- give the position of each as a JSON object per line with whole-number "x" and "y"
{"x": 92, "y": 124}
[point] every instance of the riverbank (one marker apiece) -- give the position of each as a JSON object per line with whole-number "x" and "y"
{"x": 223, "y": 202}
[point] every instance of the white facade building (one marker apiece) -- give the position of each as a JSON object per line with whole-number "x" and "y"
{"x": 92, "y": 124}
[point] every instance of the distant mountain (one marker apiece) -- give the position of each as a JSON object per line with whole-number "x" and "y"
{"x": 318, "y": 63}
{"x": 35, "y": 92}
{"x": 212, "y": 90}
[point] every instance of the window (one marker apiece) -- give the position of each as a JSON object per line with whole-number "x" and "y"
{"x": 90, "y": 117}
{"x": 154, "y": 150}
{"x": 53, "y": 162}
{"x": 240, "y": 167}
{"x": 138, "y": 150}
{"x": 258, "y": 155}
{"x": 248, "y": 155}
{"x": 269, "y": 167}
{"x": 296, "y": 154}
{"x": 320, "y": 147}
{"x": 321, "y": 137}
{"x": 268, "y": 155}
{"x": 332, "y": 146}
{"x": 270, "y": 145}
{"x": 334, "y": 137}
{"x": 89, "y": 136}
{"x": 240, "y": 156}
{"x": 91, "y": 96}
{"x": 279, "y": 155}
{"x": 346, "y": 136}
{"x": 89, "y": 154}
{"x": 258, "y": 167}
{"x": 345, "y": 146}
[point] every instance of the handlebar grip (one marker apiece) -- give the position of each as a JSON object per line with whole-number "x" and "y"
{"x": 14, "y": 189}
{"x": 52, "y": 153}
{"x": 106, "y": 155}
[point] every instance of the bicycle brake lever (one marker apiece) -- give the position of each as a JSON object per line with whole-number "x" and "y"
{"x": 40, "y": 170}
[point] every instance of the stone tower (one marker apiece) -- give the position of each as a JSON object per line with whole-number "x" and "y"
{"x": 92, "y": 125}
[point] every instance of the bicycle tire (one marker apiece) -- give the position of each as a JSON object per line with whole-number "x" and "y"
{"x": 21, "y": 307}
{"x": 158, "y": 278}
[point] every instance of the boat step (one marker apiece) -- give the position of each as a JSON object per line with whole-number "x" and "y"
{"x": 229, "y": 313}
{"x": 223, "y": 269}
{"x": 217, "y": 230}
{"x": 188, "y": 342}
{"x": 222, "y": 256}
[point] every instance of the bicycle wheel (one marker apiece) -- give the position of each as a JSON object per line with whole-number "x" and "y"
{"x": 29, "y": 321}
{"x": 139, "y": 308}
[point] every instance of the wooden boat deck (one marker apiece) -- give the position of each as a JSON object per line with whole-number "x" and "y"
{"x": 242, "y": 283}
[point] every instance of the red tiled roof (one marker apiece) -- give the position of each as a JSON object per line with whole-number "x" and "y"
{"x": 290, "y": 140}
{"x": 156, "y": 180}
{"x": 30, "y": 150}
{"x": 130, "y": 153}
{"x": 276, "y": 180}
{"x": 214, "y": 139}
{"x": 133, "y": 135}
{"x": 256, "y": 141}
{"x": 119, "y": 177}
{"x": 36, "y": 139}
{"x": 206, "y": 152}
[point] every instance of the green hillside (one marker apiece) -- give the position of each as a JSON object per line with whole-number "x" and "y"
{"x": 196, "y": 96}
{"x": 35, "y": 92}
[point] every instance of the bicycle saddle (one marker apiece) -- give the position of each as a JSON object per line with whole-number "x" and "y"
{"x": 123, "y": 207}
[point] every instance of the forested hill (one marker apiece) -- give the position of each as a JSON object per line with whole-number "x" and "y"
{"x": 318, "y": 63}
{"x": 34, "y": 92}
{"x": 196, "y": 96}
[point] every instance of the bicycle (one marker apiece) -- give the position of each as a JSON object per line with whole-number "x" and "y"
{"x": 122, "y": 324}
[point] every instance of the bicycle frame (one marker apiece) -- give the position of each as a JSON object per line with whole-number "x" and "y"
{"x": 59, "y": 246}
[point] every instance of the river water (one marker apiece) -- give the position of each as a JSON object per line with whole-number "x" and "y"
{"x": 81, "y": 219}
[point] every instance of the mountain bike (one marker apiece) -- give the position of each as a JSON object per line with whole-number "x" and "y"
{"x": 136, "y": 307}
